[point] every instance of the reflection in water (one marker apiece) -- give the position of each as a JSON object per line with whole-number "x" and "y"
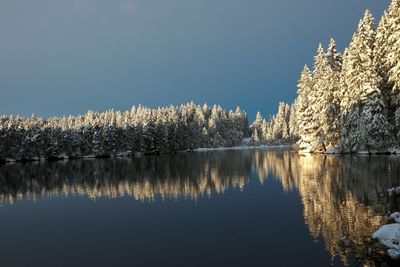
{"x": 341, "y": 196}
{"x": 186, "y": 176}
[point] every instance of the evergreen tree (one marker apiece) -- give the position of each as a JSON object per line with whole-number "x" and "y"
{"x": 392, "y": 33}
{"x": 293, "y": 125}
{"x": 112, "y": 133}
{"x": 334, "y": 57}
{"x": 364, "y": 117}
{"x": 255, "y": 139}
{"x": 330, "y": 117}
{"x": 264, "y": 132}
{"x": 304, "y": 112}
{"x": 318, "y": 101}
{"x": 387, "y": 60}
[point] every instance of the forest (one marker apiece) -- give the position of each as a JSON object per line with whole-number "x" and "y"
{"x": 349, "y": 102}
{"x": 141, "y": 130}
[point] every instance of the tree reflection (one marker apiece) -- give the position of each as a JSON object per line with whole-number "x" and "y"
{"x": 187, "y": 176}
{"x": 342, "y": 196}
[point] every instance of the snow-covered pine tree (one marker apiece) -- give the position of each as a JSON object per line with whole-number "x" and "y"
{"x": 172, "y": 124}
{"x": 334, "y": 57}
{"x": 381, "y": 50}
{"x": 293, "y": 126}
{"x": 318, "y": 101}
{"x": 216, "y": 139}
{"x": 389, "y": 64}
{"x": 270, "y": 133}
{"x": 280, "y": 129}
{"x": 243, "y": 122}
{"x": 256, "y": 127}
{"x": 264, "y": 132}
{"x": 330, "y": 119}
{"x": 304, "y": 112}
{"x": 349, "y": 93}
{"x": 392, "y": 33}
{"x": 286, "y": 128}
{"x": 255, "y": 138}
{"x": 365, "y": 125}
{"x": 258, "y": 122}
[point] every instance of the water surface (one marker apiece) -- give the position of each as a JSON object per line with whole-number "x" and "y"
{"x": 227, "y": 208}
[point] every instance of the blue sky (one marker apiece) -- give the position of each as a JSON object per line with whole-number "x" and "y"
{"x": 60, "y": 57}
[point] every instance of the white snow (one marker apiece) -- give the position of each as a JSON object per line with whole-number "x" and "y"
{"x": 395, "y": 217}
{"x": 123, "y": 154}
{"x": 394, "y": 191}
{"x": 394, "y": 150}
{"x": 239, "y": 147}
{"x": 394, "y": 253}
{"x": 389, "y": 236}
{"x": 63, "y": 156}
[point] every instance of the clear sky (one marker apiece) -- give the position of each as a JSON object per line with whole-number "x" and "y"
{"x": 60, "y": 57}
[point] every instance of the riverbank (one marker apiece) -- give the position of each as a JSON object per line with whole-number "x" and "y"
{"x": 129, "y": 154}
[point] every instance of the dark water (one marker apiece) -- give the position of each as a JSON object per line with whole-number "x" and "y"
{"x": 229, "y": 208}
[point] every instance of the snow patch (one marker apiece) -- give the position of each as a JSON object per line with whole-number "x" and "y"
{"x": 393, "y": 191}
{"x": 394, "y": 253}
{"x": 124, "y": 154}
{"x": 395, "y": 217}
{"x": 394, "y": 150}
{"x": 63, "y": 156}
{"x": 389, "y": 236}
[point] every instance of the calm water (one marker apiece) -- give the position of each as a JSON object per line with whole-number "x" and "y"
{"x": 229, "y": 208}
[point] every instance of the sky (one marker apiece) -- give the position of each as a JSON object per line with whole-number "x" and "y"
{"x": 61, "y": 57}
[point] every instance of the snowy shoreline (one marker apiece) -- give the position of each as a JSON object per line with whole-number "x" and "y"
{"x": 241, "y": 148}
{"x": 360, "y": 153}
{"x": 128, "y": 154}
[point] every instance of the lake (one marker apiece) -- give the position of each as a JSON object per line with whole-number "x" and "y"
{"x": 255, "y": 207}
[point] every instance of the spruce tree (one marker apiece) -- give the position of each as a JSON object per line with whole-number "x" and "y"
{"x": 318, "y": 101}
{"x": 330, "y": 118}
{"x": 293, "y": 126}
{"x": 365, "y": 124}
{"x": 304, "y": 112}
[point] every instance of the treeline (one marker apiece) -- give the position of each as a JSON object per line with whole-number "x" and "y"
{"x": 350, "y": 102}
{"x": 279, "y": 129}
{"x": 112, "y": 133}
